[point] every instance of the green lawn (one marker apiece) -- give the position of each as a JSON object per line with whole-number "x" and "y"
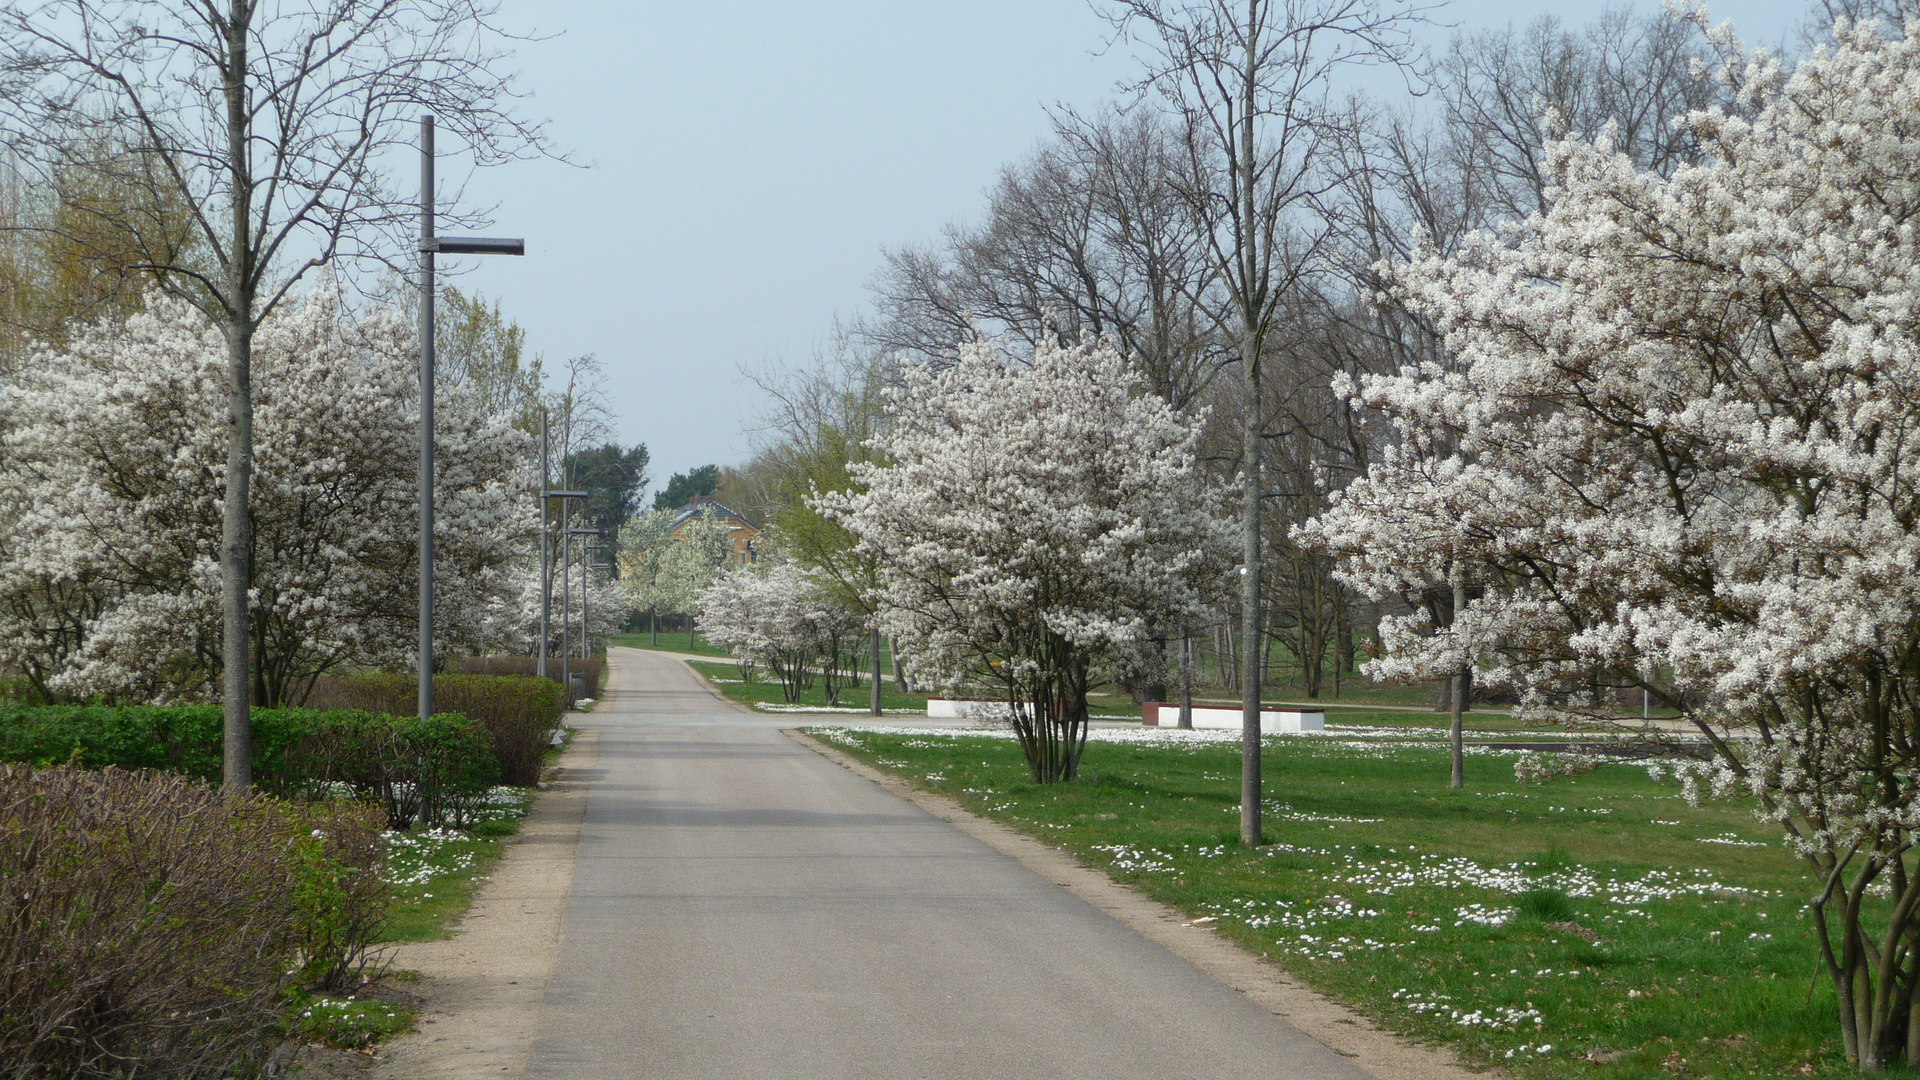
{"x": 766, "y": 688}
{"x": 1595, "y": 917}
{"x": 435, "y": 872}
{"x": 678, "y": 641}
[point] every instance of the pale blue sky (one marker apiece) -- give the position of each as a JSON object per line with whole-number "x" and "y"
{"x": 749, "y": 161}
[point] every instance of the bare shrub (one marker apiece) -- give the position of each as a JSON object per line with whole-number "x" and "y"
{"x": 148, "y": 928}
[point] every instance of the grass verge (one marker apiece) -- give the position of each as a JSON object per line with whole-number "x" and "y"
{"x": 1595, "y": 927}
{"x": 677, "y": 641}
{"x": 435, "y": 872}
{"x": 766, "y": 690}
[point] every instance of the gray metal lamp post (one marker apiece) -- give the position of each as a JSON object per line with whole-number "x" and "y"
{"x": 546, "y": 557}
{"x": 586, "y": 578}
{"x": 430, "y": 245}
{"x": 585, "y": 654}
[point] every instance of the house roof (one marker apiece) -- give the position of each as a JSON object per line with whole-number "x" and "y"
{"x": 705, "y": 504}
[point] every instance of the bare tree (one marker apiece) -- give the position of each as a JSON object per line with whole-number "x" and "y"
{"x": 1508, "y": 91}
{"x": 1090, "y": 233}
{"x": 268, "y": 121}
{"x": 1247, "y": 83}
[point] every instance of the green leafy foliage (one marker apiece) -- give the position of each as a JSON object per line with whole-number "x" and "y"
{"x": 340, "y": 896}
{"x": 520, "y": 710}
{"x": 417, "y": 769}
{"x": 683, "y": 488}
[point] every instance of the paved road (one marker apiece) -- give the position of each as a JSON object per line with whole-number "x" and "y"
{"x": 743, "y": 908}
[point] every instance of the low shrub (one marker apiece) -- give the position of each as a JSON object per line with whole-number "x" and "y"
{"x": 520, "y": 711}
{"x": 149, "y": 924}
{"x": 340, "y": 894}
{"x": 595, "y": 668}
{"x": 418, "y": 770}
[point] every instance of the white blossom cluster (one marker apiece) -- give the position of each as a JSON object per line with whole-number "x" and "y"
{"x": 112, "y": 473}
{"x": 1680, "y": 443}
{"x": 664, "y": 571}
{"x": 774, "y": 615}
{"x": 1035, "y": 525}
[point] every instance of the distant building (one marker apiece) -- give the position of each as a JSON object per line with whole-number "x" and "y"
{"x": 746, "y": 538}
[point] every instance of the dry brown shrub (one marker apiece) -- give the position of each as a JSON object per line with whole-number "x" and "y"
{"x": 149, "y": 926}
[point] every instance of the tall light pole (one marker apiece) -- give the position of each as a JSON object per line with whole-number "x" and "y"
{"x": 546, "y": 552}
{"x": 585, "y": 558}
{"x": 430, "y": 245}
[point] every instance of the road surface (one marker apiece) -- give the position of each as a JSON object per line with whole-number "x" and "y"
{"x": 743, "y": 908}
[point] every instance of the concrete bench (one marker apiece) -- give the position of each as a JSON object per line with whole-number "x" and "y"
{"x": 1276, "y": 721}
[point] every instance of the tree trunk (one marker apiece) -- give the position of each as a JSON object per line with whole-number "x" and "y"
{"x": 873, "y": 643}
{"x": 1186, "y": 682}
{"x": 236, "y": 548}
{"x": 1456, "y": 729}
{"x": 1250, "y": 629}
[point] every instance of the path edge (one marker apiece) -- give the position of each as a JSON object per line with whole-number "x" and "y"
{"x": 1348, "y": 1033}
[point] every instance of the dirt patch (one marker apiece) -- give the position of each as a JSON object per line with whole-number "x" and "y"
{"x": 481, "y": 991}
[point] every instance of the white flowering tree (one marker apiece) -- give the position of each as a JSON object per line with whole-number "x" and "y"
{"x": 778, "y": 616}
{"x": 608, "y": 608}
{"x": 1031, "y": 524}
{"x": 663, "y": 572}
{"x": 112, "y": 472}
{"x": 1680, "y": 452}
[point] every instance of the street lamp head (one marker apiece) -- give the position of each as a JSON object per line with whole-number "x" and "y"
{"x": 474, "y": 245}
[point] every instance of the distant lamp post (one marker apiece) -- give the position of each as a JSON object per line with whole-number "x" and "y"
{"x": 430, "y": 245}
{"x": 546, "y": 557}
{"x": 565, "y": 634}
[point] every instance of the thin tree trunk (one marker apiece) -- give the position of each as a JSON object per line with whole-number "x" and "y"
{"x": 873, "y": 642}
{"x": 236, "y": 518}
{"x": 1186, "y": 682}
{"x": 1250, "y": 630}
{"x": 1455, "y": 730}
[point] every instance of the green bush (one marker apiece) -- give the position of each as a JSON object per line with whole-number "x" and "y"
{"x": 595, "y": 668}
{"x": 149, "y": 926}
{"x": 418, "y": 770}
{"x": 520, "y": 711}
{"x": 340, "y": 896}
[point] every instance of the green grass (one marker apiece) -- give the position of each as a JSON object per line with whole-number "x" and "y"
{"x": 353, "y": 1022}
{"x": 435, "y": 872}
{"x": 1421, "y": 906}
{"x": 766, "y": 688}
{"x": 677, "y": 641}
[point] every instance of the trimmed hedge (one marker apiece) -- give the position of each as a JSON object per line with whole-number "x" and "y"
{"x": 418, "y": 770}
{"x": 595, "y": 668}
{"x": 520, "y": 712}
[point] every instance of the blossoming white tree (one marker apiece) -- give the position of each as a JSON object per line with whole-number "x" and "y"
{"x": 1030, "y": 524}
{"x": 517, "y": 622}
{"x": 776, "y": 615}
{"x": 1680, "y": 451}
{"x": 112, "y": 472}
{"x": 663, "y": 572}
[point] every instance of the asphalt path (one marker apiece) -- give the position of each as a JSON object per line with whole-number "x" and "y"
{"x": 743, "y": 908}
